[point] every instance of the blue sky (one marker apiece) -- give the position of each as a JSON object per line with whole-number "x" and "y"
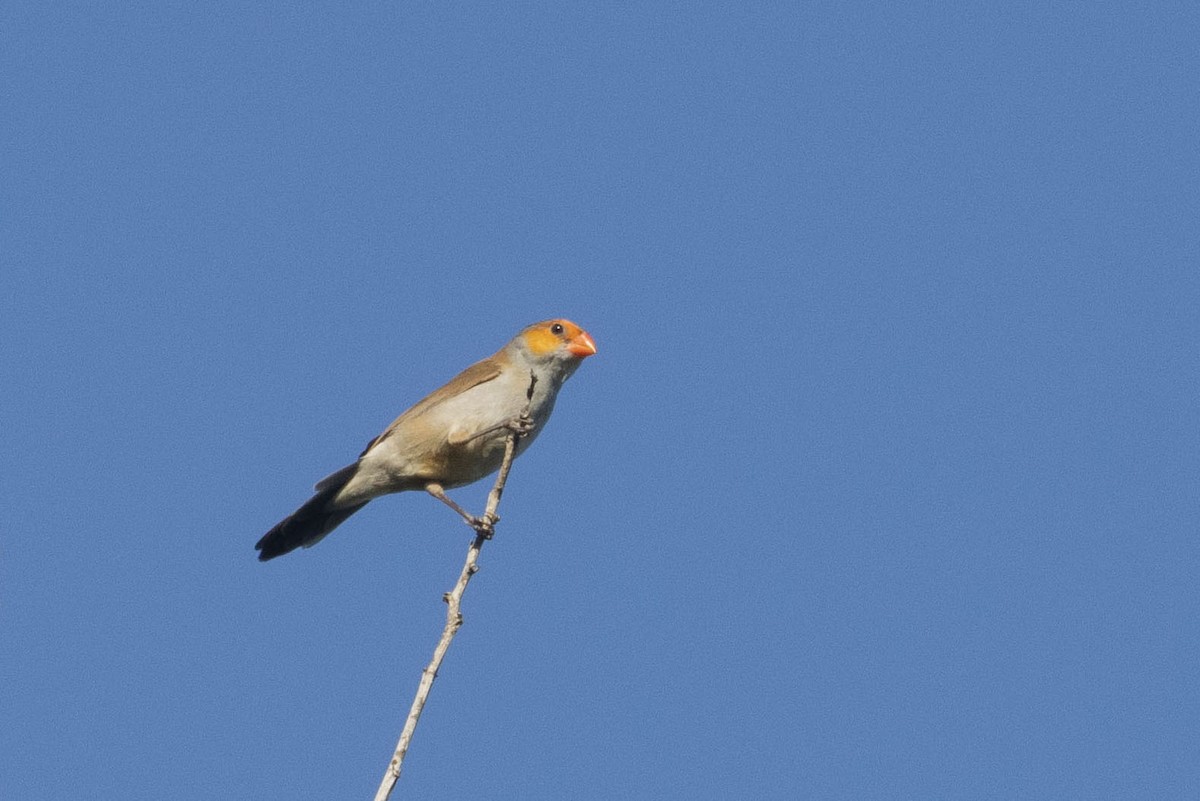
{"x": 883, "y": 483}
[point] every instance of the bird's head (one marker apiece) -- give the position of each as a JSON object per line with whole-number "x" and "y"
{"x": 553, "y": 337}
{"x": 556, "y": 344}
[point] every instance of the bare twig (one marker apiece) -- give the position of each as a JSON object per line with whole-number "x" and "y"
{"x": 484, "y": 528}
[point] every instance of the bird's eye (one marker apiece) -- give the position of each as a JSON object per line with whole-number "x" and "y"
{"x": 556, "y": 329}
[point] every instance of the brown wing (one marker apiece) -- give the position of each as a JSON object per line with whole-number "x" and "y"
{"x": 473, "y": 376}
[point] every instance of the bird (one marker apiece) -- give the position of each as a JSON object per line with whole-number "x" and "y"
{"x": 453, "y": 437}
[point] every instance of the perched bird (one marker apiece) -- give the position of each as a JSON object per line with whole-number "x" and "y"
{"x": 453, "y": 437}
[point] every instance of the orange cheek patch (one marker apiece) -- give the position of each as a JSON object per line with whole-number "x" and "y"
{"x": 541, "y": 341}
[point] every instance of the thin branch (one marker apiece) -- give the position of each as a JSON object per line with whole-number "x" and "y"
{"x": 484, "y": 529}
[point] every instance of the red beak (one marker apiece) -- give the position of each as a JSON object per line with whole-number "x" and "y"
{"x": 581, "y": 345}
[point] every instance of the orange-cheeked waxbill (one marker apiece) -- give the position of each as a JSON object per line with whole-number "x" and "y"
{"x": 453, "y": 437}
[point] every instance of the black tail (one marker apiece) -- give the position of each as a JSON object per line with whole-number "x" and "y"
{"x": 312, "y": 521}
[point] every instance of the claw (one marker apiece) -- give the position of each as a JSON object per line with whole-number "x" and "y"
{"x": 485, "y": 526}
{"x": 521, "y": 425}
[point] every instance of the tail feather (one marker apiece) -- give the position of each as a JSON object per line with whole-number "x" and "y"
{"x": 309, "y": 524}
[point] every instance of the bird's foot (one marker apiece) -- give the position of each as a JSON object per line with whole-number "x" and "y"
{"x": 485, "y": 526}
{"x": 521, "y": 426}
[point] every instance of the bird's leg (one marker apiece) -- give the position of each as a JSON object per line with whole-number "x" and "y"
{"x": 483, "y": 525}
{"x": 520, "y": 425}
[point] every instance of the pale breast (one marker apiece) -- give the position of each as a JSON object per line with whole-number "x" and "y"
{"x": 456, "y": 441}
{"x": 477, "y": 422}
